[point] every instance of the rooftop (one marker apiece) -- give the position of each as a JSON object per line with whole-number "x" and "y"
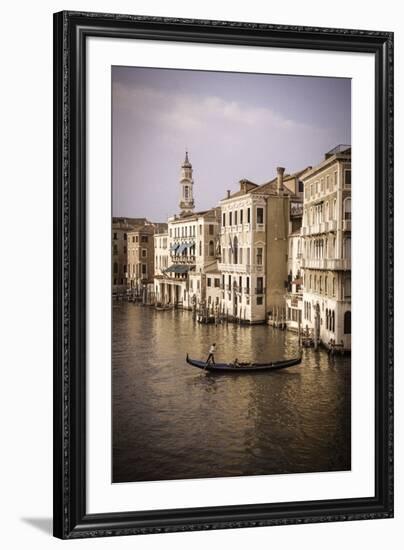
{"x": 338, "y": 150}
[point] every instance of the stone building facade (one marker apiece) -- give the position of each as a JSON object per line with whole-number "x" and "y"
{"x": 161, "y": 253}
{"x": 192, "y": 242}
{"x": 140, "y": 267}
{"x": 254, "y": 247}
{"x": 191, "y": 253}
{"x": 119, "y": 244}
{"x": 326, "y": 262}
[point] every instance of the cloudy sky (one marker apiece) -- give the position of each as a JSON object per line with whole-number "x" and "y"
{"x": 234, "y": 126}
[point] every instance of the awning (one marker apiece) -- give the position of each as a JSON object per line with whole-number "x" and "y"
{"x": 179, "y": 268}
{"x": 181, "y": 249}
{"x": 174, "y": 247}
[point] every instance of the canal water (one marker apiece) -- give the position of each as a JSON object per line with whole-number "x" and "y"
{"x": 173, "y": 421}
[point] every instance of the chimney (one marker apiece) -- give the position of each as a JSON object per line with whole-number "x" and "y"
{"x": 228, "y": 193}
{"x": 279, "y": 180}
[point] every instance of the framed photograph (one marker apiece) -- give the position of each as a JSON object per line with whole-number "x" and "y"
{"x": 223, "y": 274}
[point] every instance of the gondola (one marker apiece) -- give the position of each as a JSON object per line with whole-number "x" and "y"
{"x": 244, "y": 367}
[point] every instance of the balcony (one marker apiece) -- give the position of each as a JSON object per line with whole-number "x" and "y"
{"x": 332, "y": 225}
{"x": 183, "y": 259}
{"x": 233, "y": 268}
{"x": 332, "y": 264}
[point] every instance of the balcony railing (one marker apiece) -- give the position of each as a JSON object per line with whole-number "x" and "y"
{"x": 233, "y": 268}
{"x": 317, "y": 228}
{"x": 183, "y": 259}
{"x": 332, "y": 264}
{"x": 260, "y": 291}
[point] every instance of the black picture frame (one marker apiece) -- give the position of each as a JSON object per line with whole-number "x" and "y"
{"x": 71, "y": 29}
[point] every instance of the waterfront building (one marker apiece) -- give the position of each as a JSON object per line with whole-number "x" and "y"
{"x": 294, "y": 283}
{"x": 192, "y": 250}
{"x": 161, "y": 253}
{"x": 294, "y": 288}
{"x": 192, "y": 253}
{"x": 140, "y": 267}
{"x": 255, "y": 224}
{"x": 120, "y": 229}
{"x": 326, "y": 262}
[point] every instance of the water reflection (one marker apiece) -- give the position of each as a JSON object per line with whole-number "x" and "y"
{"x": 172, "y": 421}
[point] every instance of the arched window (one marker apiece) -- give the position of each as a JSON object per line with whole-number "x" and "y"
{"x": 321, "y": 284}
{"x": 347, "y": 208}
{"x": 333, "y": 286}
{"x": 347, "y": 322}
{"x": 326, "y": 318}
{"x": 325, "y": 284}
{"x": 186, "y": 192}
{"x": 235, "y": 250}
{"x": 315, "y": 283}
{"x": 326, "y": 211}
{"x": 200, "y": 248}
{"x": 211, "y": 248}
{"x": 310, "y": 282}
{"x": 333, "y": 321}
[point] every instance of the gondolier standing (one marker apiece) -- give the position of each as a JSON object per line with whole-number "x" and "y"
{"x": 211, "y": 357}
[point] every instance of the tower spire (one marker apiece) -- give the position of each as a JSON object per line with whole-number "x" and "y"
{"x": 186, "y": 187}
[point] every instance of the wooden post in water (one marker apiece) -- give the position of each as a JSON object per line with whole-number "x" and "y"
{"x": 298, "y": 329}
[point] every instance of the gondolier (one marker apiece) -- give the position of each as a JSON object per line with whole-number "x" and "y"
{"x": 211, "y": 357}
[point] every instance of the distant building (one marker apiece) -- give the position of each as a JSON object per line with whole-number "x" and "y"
{"x": 120, "y": 229}
{"x": 140, "y": 257}
{"x": 132, "y": 256}
{"x": 192, "y": 250}
{"x": 161, "y": 253}
{"x": 326, "y": 262}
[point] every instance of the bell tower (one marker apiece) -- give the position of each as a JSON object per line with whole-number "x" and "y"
{"x": 186, "y": 184}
